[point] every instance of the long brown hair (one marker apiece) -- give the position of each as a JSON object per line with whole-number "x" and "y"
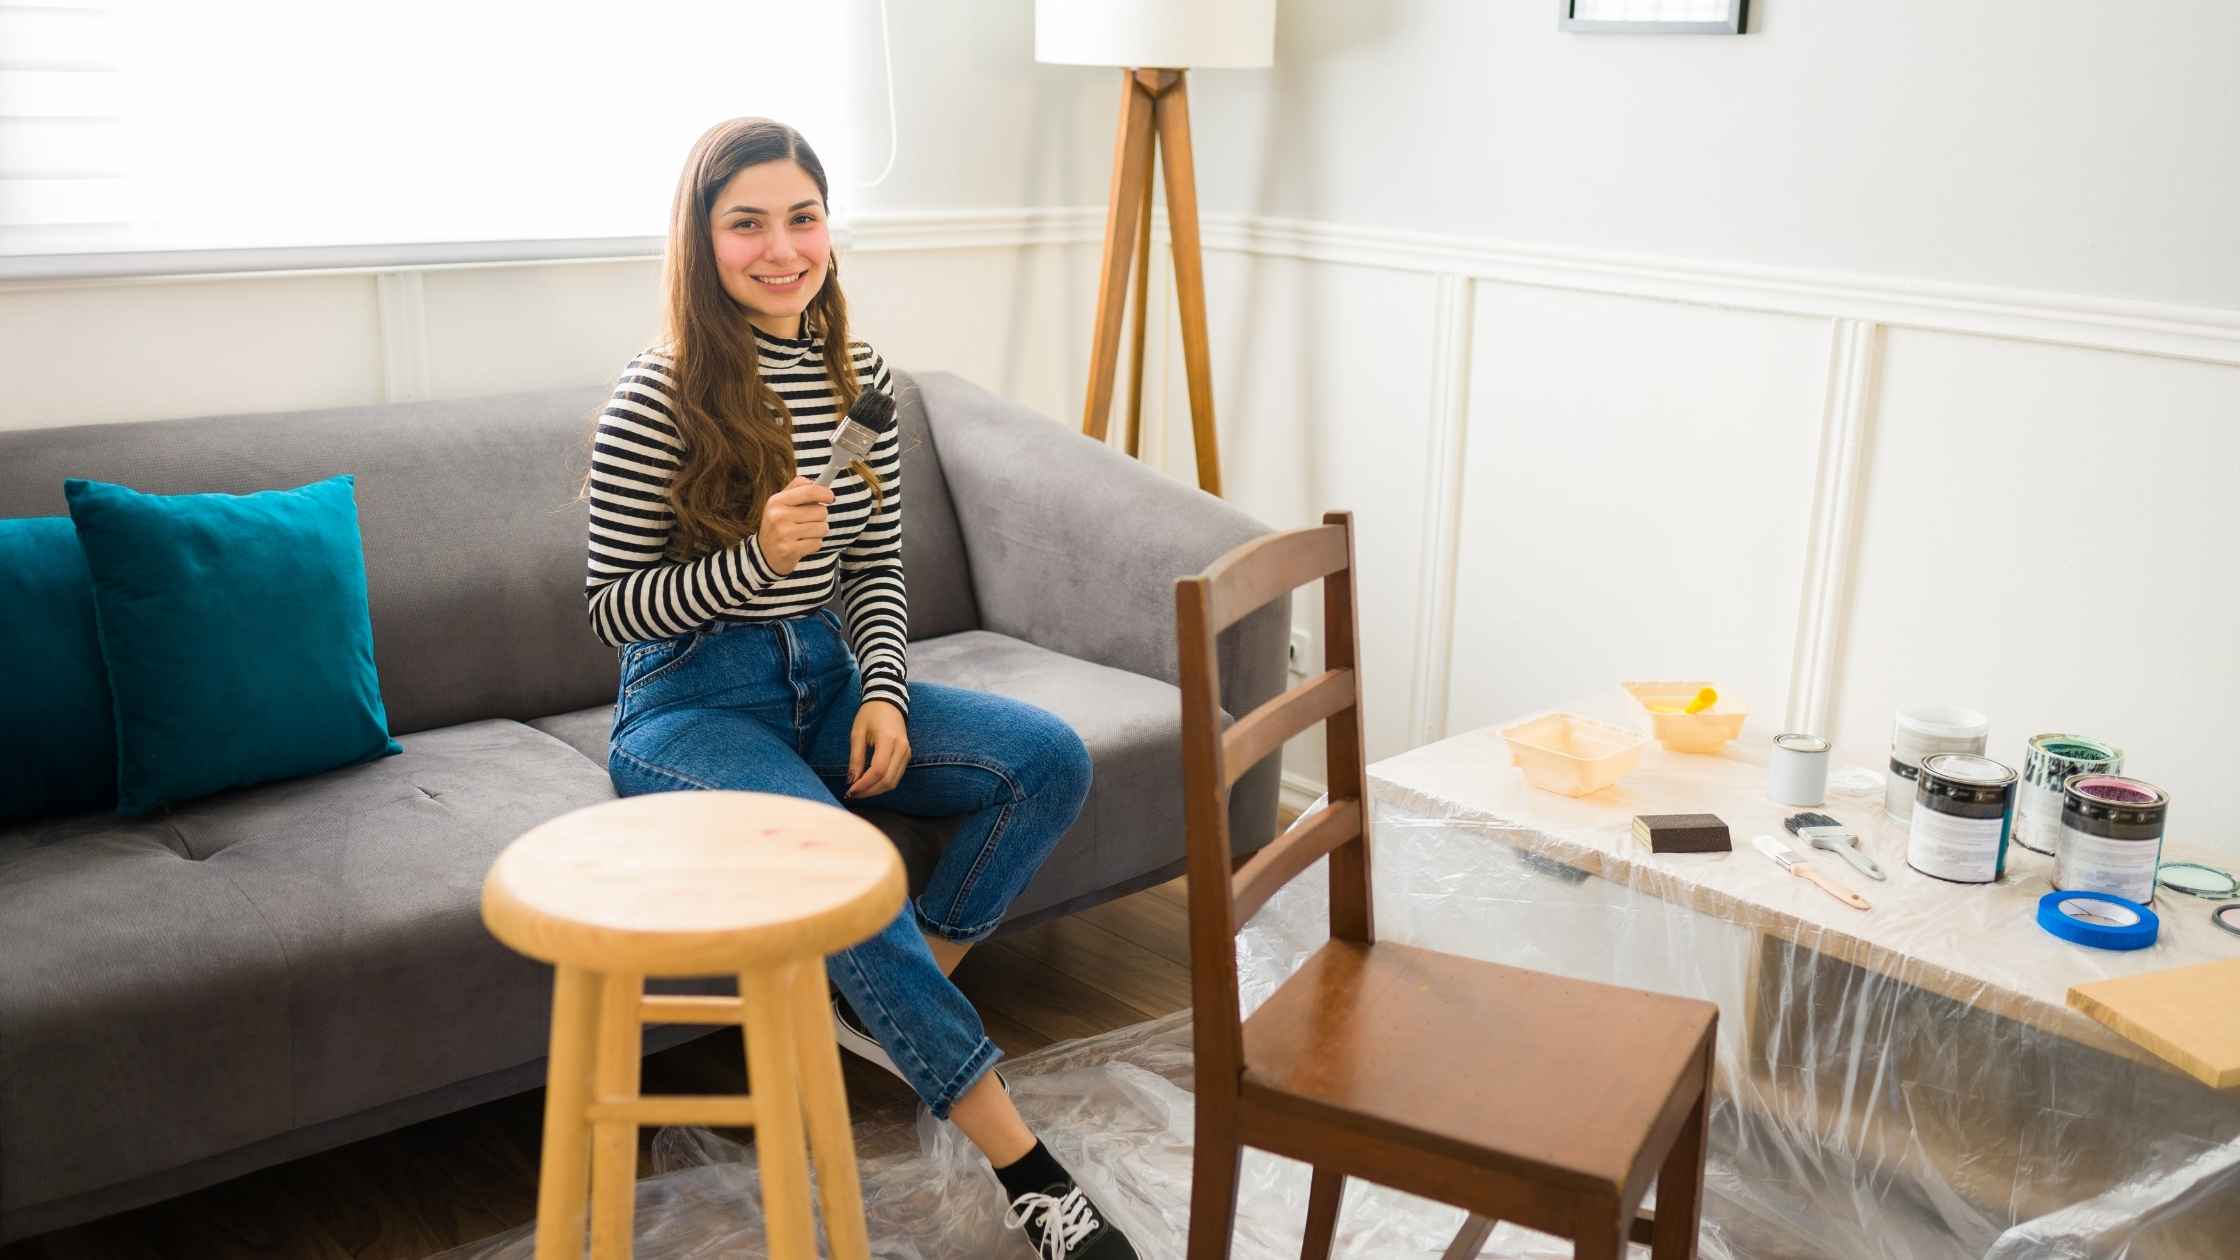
{"x": 737, "y": 431}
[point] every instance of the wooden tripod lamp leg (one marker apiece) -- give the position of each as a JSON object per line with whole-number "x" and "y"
{"x": 1131, "y": 172}
{"x": 1173, "y": 111}
{"x": 1136, "y": 326}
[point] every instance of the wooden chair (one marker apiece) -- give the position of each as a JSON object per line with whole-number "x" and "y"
{"x": 694, "y": 884}
{"x": 1515, "y": 1095}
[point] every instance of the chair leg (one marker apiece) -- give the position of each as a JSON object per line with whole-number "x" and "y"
{"x": 767, "y": 997}
{"x": 1322, "y": 1213}
{"x": 1680, "y": 1187}
{"x": 824, "y": 1096}
{"x": 1471, "y": 1238}
{"x": 614, "y": 1143}
{"x": 564, "y": 1171}
{"x": 1213, "y": 1186}
{"x": 1602, "y": 1236}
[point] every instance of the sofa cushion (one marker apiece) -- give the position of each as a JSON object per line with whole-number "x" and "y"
{"x": 234, "y": 628}
{"x": 58, "y": 732}
{"x": 266, "y": 958}
{"x": 1132, "y": 725}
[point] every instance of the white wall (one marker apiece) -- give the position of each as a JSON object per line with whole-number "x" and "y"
{"x": 2071, "y": 146}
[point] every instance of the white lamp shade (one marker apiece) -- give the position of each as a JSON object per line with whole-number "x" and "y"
{"x": 1167, "y": 34}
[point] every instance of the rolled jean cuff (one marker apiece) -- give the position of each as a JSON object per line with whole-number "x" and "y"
{"x": 950, "y": 932}
{"x": 982, "y": 1058}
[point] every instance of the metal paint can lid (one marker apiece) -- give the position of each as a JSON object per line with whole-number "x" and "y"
{"x": 1810, "y": 745}
{"x": 2198, "y": 880}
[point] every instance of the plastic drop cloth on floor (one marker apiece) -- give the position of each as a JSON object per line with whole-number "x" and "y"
{"x": 1857, "y": 1116}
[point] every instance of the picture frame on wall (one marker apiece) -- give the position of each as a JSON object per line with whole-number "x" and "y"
{"x": 1653, "y": 17}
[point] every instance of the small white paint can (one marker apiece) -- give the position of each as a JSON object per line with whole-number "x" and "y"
{"x": 1797, "y": 773}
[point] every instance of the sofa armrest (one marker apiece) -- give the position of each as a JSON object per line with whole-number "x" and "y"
{"x": 1075, "y": 547}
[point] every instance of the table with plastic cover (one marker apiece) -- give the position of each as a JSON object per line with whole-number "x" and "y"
{"x": 1922, "y": 1050}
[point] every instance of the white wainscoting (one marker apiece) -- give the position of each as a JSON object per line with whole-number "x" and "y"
{"x": 1832, "y": 493}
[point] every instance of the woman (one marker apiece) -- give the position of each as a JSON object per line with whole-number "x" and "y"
{"x": 711, "y": 562}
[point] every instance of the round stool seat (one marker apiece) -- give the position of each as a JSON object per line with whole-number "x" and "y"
{"x": 685, "y": 883}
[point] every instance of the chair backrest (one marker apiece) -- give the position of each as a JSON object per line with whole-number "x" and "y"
{"x": 1221, "y": 901}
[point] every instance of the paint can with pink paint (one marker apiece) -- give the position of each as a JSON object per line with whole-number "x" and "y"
{"x": 2111, "y": 836}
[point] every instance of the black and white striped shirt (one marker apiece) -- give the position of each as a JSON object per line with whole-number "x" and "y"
{"x": 638, "y": 586}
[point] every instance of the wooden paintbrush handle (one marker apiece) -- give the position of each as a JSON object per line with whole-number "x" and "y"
{"x": 1832, "y": 888}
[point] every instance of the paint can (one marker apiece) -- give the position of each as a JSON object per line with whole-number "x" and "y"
{"x": 1963, "y": 812}
{"x": 2052, "y": 761}
{"x": 2111, "y": 836}
{"x": 1798, "y": 770}
{"x": 1921, "y": 732}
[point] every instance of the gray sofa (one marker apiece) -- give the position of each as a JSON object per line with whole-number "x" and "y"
{"x": 276, "y": 970}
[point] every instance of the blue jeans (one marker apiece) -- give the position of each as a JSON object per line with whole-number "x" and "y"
{"x": 768, "y": 707}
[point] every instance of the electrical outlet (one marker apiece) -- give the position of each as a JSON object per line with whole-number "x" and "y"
{"x": 1302, "y": 645}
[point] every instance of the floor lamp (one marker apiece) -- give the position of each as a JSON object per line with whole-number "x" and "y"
{"x": 1155, "y": 43}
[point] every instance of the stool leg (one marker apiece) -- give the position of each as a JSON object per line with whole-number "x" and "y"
{"x": 767, "y": 997}
{"x": 824, "y": 1096}
{"x": 564, "y": 1173}
{"x": 614, "y": 1143}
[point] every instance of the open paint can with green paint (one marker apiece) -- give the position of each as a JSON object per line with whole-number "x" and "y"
{"x": 2050, "y": 762}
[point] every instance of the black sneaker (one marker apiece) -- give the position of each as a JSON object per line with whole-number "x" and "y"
{"x": 1064, "y": 1223}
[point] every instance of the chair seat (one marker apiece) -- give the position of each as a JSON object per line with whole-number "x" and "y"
{"x": 1551, "y": 1078}
{"x": 693, "y": 883}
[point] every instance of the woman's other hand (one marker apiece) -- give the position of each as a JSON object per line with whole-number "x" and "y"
{"x": 880, "y": 726}
{"x": 793, "y": 524}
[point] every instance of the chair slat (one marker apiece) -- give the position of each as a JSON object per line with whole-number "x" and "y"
{"x": 1265, "y": 568}
{"x": 1294, "y": 851}
{"x": 1263, "y": 730}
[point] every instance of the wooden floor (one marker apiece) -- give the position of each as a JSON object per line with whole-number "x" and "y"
{"x": 466, "y": 1176}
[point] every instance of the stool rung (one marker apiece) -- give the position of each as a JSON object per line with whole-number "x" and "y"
{"x": 726, "y": 1110}
{"x": 691, "y": 1010}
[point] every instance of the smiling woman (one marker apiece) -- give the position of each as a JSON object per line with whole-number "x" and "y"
{"x": 267, "y": 125}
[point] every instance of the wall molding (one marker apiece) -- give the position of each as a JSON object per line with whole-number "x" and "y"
{"x": 402, "y": 300}
{"x": 2209, "y": 334}
{"x": 1299, "y": 792}
{"x": 1854, "y": 362}
{"x": 1451, "y": 337}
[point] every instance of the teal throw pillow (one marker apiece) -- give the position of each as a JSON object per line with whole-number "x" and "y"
{"x": 236, "y": 634}
{"x": 58, "y": 737}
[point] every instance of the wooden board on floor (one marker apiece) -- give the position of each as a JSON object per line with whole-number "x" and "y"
{"x": 2189, "y": 1016}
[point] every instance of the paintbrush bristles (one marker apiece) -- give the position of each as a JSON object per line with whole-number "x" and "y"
{"x": 873, "y": 410}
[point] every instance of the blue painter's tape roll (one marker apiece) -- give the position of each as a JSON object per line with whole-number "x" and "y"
{"x": 2098, "y": 920}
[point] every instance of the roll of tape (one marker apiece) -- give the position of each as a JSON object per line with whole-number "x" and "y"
{"x": 2098, "y": 920}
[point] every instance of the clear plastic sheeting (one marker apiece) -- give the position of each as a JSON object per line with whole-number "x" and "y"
{"x": 1859, "y": 1114}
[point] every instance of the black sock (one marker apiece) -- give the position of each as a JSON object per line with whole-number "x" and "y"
{"x": 1032, "y": 1173}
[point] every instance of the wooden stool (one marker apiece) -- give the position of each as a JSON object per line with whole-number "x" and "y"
{"x": 694, "y": 884}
